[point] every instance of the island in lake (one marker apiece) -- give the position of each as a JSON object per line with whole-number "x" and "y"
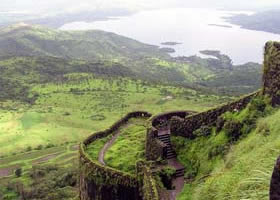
{"x": 220, "y": 25}
{"x": 170, "y": 43}
{"x": 167, "y": 50}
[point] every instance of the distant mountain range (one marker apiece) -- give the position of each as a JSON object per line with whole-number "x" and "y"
{"x": 27, "y": 40}
{"x": 52, "y": 20}
{"x": 268, "y": 21}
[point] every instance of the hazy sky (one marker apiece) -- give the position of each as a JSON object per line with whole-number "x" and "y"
{"x": 54, "y": 6}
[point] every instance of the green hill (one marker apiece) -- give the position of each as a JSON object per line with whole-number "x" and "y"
{"x": 26, "y": 40}
{"x": 78, "y": 51}
{"x": 58, "y": 87}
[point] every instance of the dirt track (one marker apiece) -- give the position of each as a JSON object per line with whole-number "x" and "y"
{"x": 106, "y": 147}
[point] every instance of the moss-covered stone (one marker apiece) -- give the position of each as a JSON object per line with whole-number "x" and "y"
{"x": 186, "y": 127}
{"x": 271, "y": 70}
{"x": 274, "y": 193}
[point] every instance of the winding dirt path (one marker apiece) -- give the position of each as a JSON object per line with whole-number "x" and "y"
{"x": 108, "y": 144}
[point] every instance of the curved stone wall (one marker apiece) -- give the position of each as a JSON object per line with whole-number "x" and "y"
{"x": 98, "y": 182}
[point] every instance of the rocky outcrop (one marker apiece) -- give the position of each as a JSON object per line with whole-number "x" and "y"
{"x": 274, "y": 193}
{"x": 271, "y": 75}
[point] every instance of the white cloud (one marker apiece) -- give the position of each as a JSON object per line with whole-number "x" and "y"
{"x": 55, "y": 6}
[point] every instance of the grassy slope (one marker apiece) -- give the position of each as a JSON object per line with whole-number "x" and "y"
{"x": 129, "y": 147}
{"x": 56, "y": 155}
{"x": 61, "y": 158}
{"x": 241, "y": 79}
{"x": 239, "y": 171}
{"x": 71, "y": 111}
{"x": 29, "y": 40}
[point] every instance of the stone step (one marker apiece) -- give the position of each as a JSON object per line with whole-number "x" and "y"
{"x": 164, "y": 139}
{"x": 164, "y": 135}
{"x": 181, "y": 169}
{"x": 171, "y": 153}
{"x": 177, "y": 175}
{"x": 171, "y": 156}
{"x": 167, "y": 143}
{"x": 180, "y": 172}
{"x": 170, "y": 150}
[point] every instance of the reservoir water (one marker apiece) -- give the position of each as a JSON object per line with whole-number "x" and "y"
{"x": 196, "y": 29}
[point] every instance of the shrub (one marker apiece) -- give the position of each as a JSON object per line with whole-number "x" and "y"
{"x": 263, "y": 128}
{"x": 29, "y": 148}
{"x": 257, "y": 104}
{"x": 166, "y": 174}
{"x": 39, "y": 147}
{"x": 233, "y": 129}
{"x": 49, "y": 146}
{"x": 220, "y": 124}
{"x": 18, "y": 172}
{"x": 67, "y": 114}
{"x": 247, "y": 128}
{"x": 168, "y": 171}
{"x": 98, "y": 117}
{"x": 203, "y": 131}
{"x": 218, "y": 150}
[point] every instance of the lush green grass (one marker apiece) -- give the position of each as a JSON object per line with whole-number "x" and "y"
{"x": 95, "y": 147}
{"x": 59, "y": 159}
{"x": 129, "y": 146}
{"x": 71, "y": 111}
{"x": 44, "y": 156}
{"x": 30, "y": 119}
{"x": 226, "y": 170}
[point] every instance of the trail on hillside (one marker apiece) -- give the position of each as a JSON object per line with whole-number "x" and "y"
{"x": 108, "y": 144}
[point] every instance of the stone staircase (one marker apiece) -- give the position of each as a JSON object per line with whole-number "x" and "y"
{"x": 171, "y": 154}
{"x": 180, "y": 172}
{"x": 165, "y": 138}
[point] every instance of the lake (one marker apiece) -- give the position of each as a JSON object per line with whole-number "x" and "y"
{"x": 196, "y": 29}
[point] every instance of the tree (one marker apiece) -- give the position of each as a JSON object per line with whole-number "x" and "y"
{"x": 18, "y": 172}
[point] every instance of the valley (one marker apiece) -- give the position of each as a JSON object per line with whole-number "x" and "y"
{"x": 60, "y": 88}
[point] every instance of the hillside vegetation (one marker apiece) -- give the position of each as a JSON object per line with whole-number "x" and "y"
{"x": 58, "y": 87}
{"x": 27, "y": 40}
{"x": 235, "y": 159}
{"x": 79, "y": 51}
